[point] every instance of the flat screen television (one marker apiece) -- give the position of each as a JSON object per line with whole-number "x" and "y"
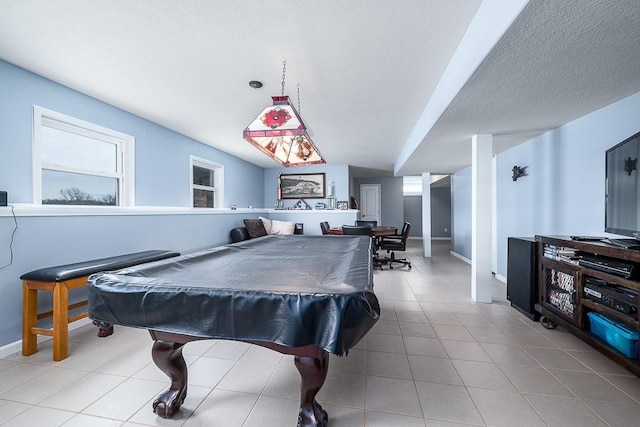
{"x": 622, "y": 197}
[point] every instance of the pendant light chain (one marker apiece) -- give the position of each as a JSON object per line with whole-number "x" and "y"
{"x": 284, "y": 69}
{"x": 299, "y": 98}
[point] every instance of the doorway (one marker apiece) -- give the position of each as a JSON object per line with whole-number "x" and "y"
{"x": 370, "y": 202}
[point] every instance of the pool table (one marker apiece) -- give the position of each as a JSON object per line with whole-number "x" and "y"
{"x": 307, "y": 296}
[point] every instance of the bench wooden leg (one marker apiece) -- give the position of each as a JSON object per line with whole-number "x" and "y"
{"x": 60, "y": 321}
{"x": 29, "y": 320}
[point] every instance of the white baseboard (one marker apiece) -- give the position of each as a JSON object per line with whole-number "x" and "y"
{"x": 468, "y": 261}
{"x": 16, "y": 347}
{"x": 501, "y": 278}
{"x": 433, "y": 238}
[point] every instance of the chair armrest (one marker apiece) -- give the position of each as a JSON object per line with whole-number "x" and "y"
{"x": 390, "y": 237}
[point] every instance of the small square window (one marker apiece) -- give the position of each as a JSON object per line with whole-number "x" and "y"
{"x": 206, "y": 183}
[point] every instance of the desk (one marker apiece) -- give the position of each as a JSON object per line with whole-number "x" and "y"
{"x": 377, "y": 231}
{"x": 307, "y": 296}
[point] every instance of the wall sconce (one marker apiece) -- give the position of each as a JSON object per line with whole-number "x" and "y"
{"x": 630, "y": 165}
{"x": 518, "y": 171}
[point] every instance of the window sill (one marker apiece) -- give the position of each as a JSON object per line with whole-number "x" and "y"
{"x": 39, "y": 210}
{"x": 28, "y": 210}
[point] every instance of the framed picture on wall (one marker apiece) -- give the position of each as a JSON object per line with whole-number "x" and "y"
{"x": 343, "y": 205}
{"x": 302, "y": 185}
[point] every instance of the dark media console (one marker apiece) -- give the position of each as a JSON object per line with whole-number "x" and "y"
{"x": 624, "y": 243}
{"x": 582, "y": 280}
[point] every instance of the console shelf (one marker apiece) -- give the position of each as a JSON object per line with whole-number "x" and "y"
{"x": 561, "y": 296}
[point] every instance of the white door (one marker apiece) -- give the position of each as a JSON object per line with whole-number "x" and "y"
{"x": 370, "y": 202}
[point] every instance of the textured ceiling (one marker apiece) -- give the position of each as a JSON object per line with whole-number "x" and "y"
{"x": 366, "y": 68}
{"x": 557, "y": 62}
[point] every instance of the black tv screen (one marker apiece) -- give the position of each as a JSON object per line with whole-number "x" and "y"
{"x": 622, "y": 198}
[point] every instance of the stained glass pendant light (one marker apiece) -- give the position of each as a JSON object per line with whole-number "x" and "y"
{"x": 280, "y": 133}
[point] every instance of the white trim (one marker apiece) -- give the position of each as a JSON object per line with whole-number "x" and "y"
{"x": 126, "y": 143}
{"x": 16, "y": 346}
{"x": 467, "y": 260}
{"x": 500, "y": 278}
{"x": 32, "y": 210}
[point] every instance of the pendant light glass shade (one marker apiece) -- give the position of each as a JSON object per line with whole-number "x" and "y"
{"x": 279, "y": 132}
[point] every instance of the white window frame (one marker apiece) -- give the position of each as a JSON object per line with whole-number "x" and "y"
{"x": 218, "y": 179}
{"x": 124, "y": 142}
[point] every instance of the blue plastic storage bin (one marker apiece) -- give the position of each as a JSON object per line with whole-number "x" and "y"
{"x": 617, "y": 334}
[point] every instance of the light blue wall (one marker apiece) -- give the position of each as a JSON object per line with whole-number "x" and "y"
{"x": 461, "y": 212}
{"x": 440, "y": 213}
{"x": 413, "y": 214}
{"x": 162, "y": 179}
{"x": 391, "y": 198}
{"x": 339, "y": 174}
{"x": 48, "y": 241}
{"x": 162, "y": 156}
{"x": 563, "y": 192}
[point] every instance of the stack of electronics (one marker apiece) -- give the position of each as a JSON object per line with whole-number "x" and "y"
{"x": 607, "y": 265}
{"x": 619, "y": 298}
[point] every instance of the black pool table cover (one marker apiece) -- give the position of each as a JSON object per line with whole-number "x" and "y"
{"x": 289, "y": 290}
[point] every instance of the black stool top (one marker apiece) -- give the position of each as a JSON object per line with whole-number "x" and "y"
{"x": 61, "y": 273}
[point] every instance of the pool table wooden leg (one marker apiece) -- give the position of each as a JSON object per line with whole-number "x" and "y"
{"x": 313, "y": 372}
{"x": 168, "y": 357}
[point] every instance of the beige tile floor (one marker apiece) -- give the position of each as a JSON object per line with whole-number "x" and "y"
{"x": 434, "y": 359}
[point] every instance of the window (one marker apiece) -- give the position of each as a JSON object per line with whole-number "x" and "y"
{"x": 206, "y": 183}
{"x": 79, "y": 163}
{"x": 412, "y": 185}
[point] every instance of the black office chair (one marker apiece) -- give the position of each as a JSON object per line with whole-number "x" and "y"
{"x": 394, "y": 243}
{"x": 324, "y": 226}
{"x": 367, "y": 223}
{"x": 364, "y": 230}
{"x": 361, "y": 230}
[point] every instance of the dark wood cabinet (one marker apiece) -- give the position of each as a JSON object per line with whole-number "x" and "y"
{"x": 562, "y": 276}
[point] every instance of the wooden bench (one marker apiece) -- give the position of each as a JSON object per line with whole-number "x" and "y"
{"x": 59, "y": 280}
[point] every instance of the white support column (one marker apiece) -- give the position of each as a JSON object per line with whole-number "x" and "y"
{"x": 481, "y": 217}
{"x": 426, "y": 214}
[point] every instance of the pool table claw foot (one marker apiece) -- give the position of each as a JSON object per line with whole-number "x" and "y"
{"x": 313, "y": 372}
{"x": 168, "y": 357}
{"x": 168, "y": 403}
{"x": 317, "y": 417}
{"x": 104, "y": 329}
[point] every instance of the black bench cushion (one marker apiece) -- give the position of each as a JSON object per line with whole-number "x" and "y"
{"x": 86, "y": 268}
